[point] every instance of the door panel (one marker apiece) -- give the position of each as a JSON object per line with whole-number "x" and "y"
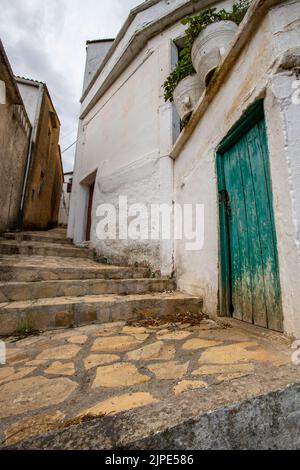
{"x": 269, "y": 268}
{"x": 89, "y": 214}
{"x": 257, "y": 313}
{"x": 251, "y": 247}
{"x": 235, "y": 226}
{"x": 272, "y": 281}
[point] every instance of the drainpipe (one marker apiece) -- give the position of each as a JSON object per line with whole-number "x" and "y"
{"x": 32, "y": 141}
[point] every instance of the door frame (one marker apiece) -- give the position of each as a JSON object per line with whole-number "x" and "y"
{"x": 88, "y": 229}
{"x": 249, "y": 119}
{"x": 86, "y": 184}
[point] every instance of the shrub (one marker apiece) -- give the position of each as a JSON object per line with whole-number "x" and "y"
{"x": 183, "y": 69}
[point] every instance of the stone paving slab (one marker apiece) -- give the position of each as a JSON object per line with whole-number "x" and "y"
{"x": 162, "y": 376}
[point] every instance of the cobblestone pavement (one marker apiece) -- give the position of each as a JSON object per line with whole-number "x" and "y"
{"x": 64, "y": 377}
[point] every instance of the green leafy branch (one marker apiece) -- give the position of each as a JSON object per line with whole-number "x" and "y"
{"x": 196, "y": 24}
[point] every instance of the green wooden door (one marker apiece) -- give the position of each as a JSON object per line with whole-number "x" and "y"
{"x": 250, "y": 287}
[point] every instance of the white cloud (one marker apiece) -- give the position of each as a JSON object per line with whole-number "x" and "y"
{"x": 45, "y": 40}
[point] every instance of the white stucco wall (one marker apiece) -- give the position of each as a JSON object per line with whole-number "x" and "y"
{"x": 251, "y": 78}
{"x": 127, "y": 136}
{"x": 30, "y": 95}
{"x": 126, "y": 139}
{"x": 122, "y": 140}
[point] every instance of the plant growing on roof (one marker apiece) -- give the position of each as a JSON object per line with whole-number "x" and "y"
{"x": 196, "y": 24}
{"x": 183, "y": 69}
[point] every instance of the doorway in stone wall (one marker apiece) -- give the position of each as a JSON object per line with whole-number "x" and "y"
{"x": 89, "y": 213}
{"x": 250, "y": 283}
{"x": 89, "y": 185}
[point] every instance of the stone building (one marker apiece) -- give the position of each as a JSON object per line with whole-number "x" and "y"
{"x": 15, "y": 129}
{"x": 130, "y": 145}
{"x": 64, "y": 210}
{"x": 44, "y": 178}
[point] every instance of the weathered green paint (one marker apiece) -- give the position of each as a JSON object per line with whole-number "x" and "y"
{"x": 250, "y": 285}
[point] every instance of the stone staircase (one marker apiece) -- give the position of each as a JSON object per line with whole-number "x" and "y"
{"x": 47, "y": 283}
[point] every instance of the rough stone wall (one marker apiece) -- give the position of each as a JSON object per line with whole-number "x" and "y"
{"x": 45, "y": 179}
{"x": 268, "y": 422}
{"x": 14, "y": 141}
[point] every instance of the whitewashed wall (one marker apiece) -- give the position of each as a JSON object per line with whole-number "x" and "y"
{"x": 254, "y": 76}
{"x": 127, "y": 136}
{"x": 30, "y": 94}
{"x": 126, "y": 139}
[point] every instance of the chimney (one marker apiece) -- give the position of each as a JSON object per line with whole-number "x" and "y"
{"x": 96, "y": 52}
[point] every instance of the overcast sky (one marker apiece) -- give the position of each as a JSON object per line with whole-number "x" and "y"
{"x": 45, "y": 40}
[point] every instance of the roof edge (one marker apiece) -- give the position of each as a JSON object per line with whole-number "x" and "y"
{"x": 38, "y": 84}
{"x": 96, "y": 41}
{"x": 140, "y": 36}
{"x": 28, "y": 81}
{"x": 50, "y": 99}
{"x": 143, "y": 6}
{"x": 14, "y": 82}
{"x": 10, "y": 73}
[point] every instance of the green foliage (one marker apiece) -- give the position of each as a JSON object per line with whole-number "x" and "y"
{"x": 239, "y": 11}
{"x": 183, "y": 69}
{"x": 196, "y": 24}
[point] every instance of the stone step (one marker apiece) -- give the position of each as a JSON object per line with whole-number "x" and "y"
{"x": 36, "y": 269}
{"x": 12, "y": 247}
{"x": 16, "y": 291}
{"x": 47, "y": 314}
{"x": 36, "y": 237}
